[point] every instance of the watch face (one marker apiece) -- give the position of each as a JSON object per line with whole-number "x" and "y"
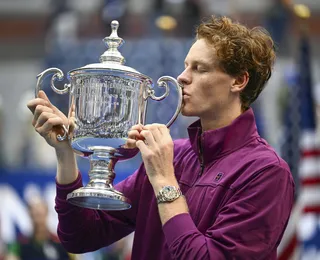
{"x": 170, "y": 193}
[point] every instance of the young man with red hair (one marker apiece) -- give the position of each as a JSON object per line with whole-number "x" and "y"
{"x": 232, "y": 193}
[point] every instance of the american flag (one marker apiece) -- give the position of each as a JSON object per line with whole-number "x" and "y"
{"x": 302, "y": 236}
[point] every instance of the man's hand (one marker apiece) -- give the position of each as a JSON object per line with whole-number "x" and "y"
{"x": 47, "y": 120}
{"x": 157, "y": 153}
{"x": 133, "y": 136}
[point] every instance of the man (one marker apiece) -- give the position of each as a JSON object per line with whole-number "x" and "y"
{"x": 221, "y": 194}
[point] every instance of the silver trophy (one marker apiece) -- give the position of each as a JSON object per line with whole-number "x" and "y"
{"x": 106, "y": 100}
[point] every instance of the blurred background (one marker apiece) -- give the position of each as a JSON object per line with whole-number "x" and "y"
{"x": 37, "y": 34}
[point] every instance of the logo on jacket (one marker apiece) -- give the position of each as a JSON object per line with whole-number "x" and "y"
{"x": 218, "y": 176}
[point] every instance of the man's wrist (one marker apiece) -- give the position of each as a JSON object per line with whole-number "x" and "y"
{"x": 159, "y": 183}
{"x": 67, "y": 170}
{"x": 64, "y": 153}
{"x": 168, "y": 194}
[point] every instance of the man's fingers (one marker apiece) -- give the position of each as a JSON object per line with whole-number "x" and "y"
{"x": 43, "y": 95}
{"x": 38, "y": 111}
{"x": 165, "y": 133}
{"x": 156, "y": 134}
{"x": 137, "y": 127}
{"x": 149, "y": 138}
{"x": 142, "y": 147}
{"x": 155, "y": 130}
{"x": 32, "y": 104}
{"x": 44, "y": 116}
{"x": 72, "y": 124}
{"x": 164, "y": 129}
{"x": 49, "y": 124}
{"x": 152, "y": 126}
{"x": 135, "y": 134}
{"x": 130, "y": 143}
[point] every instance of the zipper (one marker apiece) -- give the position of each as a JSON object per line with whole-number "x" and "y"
{"x": 201, "y": 156}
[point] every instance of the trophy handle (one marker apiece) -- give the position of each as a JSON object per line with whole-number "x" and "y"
{"x": 163, "y": 82}
{"x": 57, "y": 75}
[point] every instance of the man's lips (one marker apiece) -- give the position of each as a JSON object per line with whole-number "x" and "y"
{"x": 186, "y": 96}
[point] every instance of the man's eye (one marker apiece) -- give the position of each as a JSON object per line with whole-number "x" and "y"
{"x": 200, "y": 69}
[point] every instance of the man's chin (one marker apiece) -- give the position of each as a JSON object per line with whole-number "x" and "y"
{"x": 185, "y": 112}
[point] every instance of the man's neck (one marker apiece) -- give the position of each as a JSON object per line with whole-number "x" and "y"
{"x": 220, "y": 120}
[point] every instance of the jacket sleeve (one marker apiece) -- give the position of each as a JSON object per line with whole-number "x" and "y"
{"x": 249, "y": 226}
{"x": 82, "y": 230}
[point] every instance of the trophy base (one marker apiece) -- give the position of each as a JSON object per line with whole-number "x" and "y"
{"x": 99, "y": 198}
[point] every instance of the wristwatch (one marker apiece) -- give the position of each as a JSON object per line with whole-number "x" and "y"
{"x": 168, "y": 194}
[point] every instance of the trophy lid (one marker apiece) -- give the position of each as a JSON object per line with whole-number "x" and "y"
{"x": 112, "y": 59}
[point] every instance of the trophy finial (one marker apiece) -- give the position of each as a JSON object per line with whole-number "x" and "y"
{"x": 114, "y": 28}
{"x": 113, "y": 42}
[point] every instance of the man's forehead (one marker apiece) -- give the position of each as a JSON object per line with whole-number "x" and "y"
{"x": 201, "y": 52}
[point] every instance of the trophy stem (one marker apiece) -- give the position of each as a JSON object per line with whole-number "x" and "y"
{"x": 101, "y": 169}
{"x": 99, "y": 192}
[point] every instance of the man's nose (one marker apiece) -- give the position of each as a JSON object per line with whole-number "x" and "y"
{"x": 184, "y": 77}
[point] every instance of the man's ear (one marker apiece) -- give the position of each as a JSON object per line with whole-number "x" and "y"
{"x": 240, "y": 82}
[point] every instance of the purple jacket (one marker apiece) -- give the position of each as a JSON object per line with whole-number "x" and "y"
{"x": 239, "y": 193}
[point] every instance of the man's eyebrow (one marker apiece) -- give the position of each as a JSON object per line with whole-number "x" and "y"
{"x": 199, "y": 62}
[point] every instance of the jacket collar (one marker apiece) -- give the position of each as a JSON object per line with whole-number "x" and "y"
{"x": 218, "y": 142}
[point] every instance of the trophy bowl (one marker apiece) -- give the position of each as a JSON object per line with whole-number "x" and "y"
{"x": 105, "y": 100}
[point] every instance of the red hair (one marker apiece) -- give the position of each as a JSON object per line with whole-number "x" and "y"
{"x": 241, "y": 50}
